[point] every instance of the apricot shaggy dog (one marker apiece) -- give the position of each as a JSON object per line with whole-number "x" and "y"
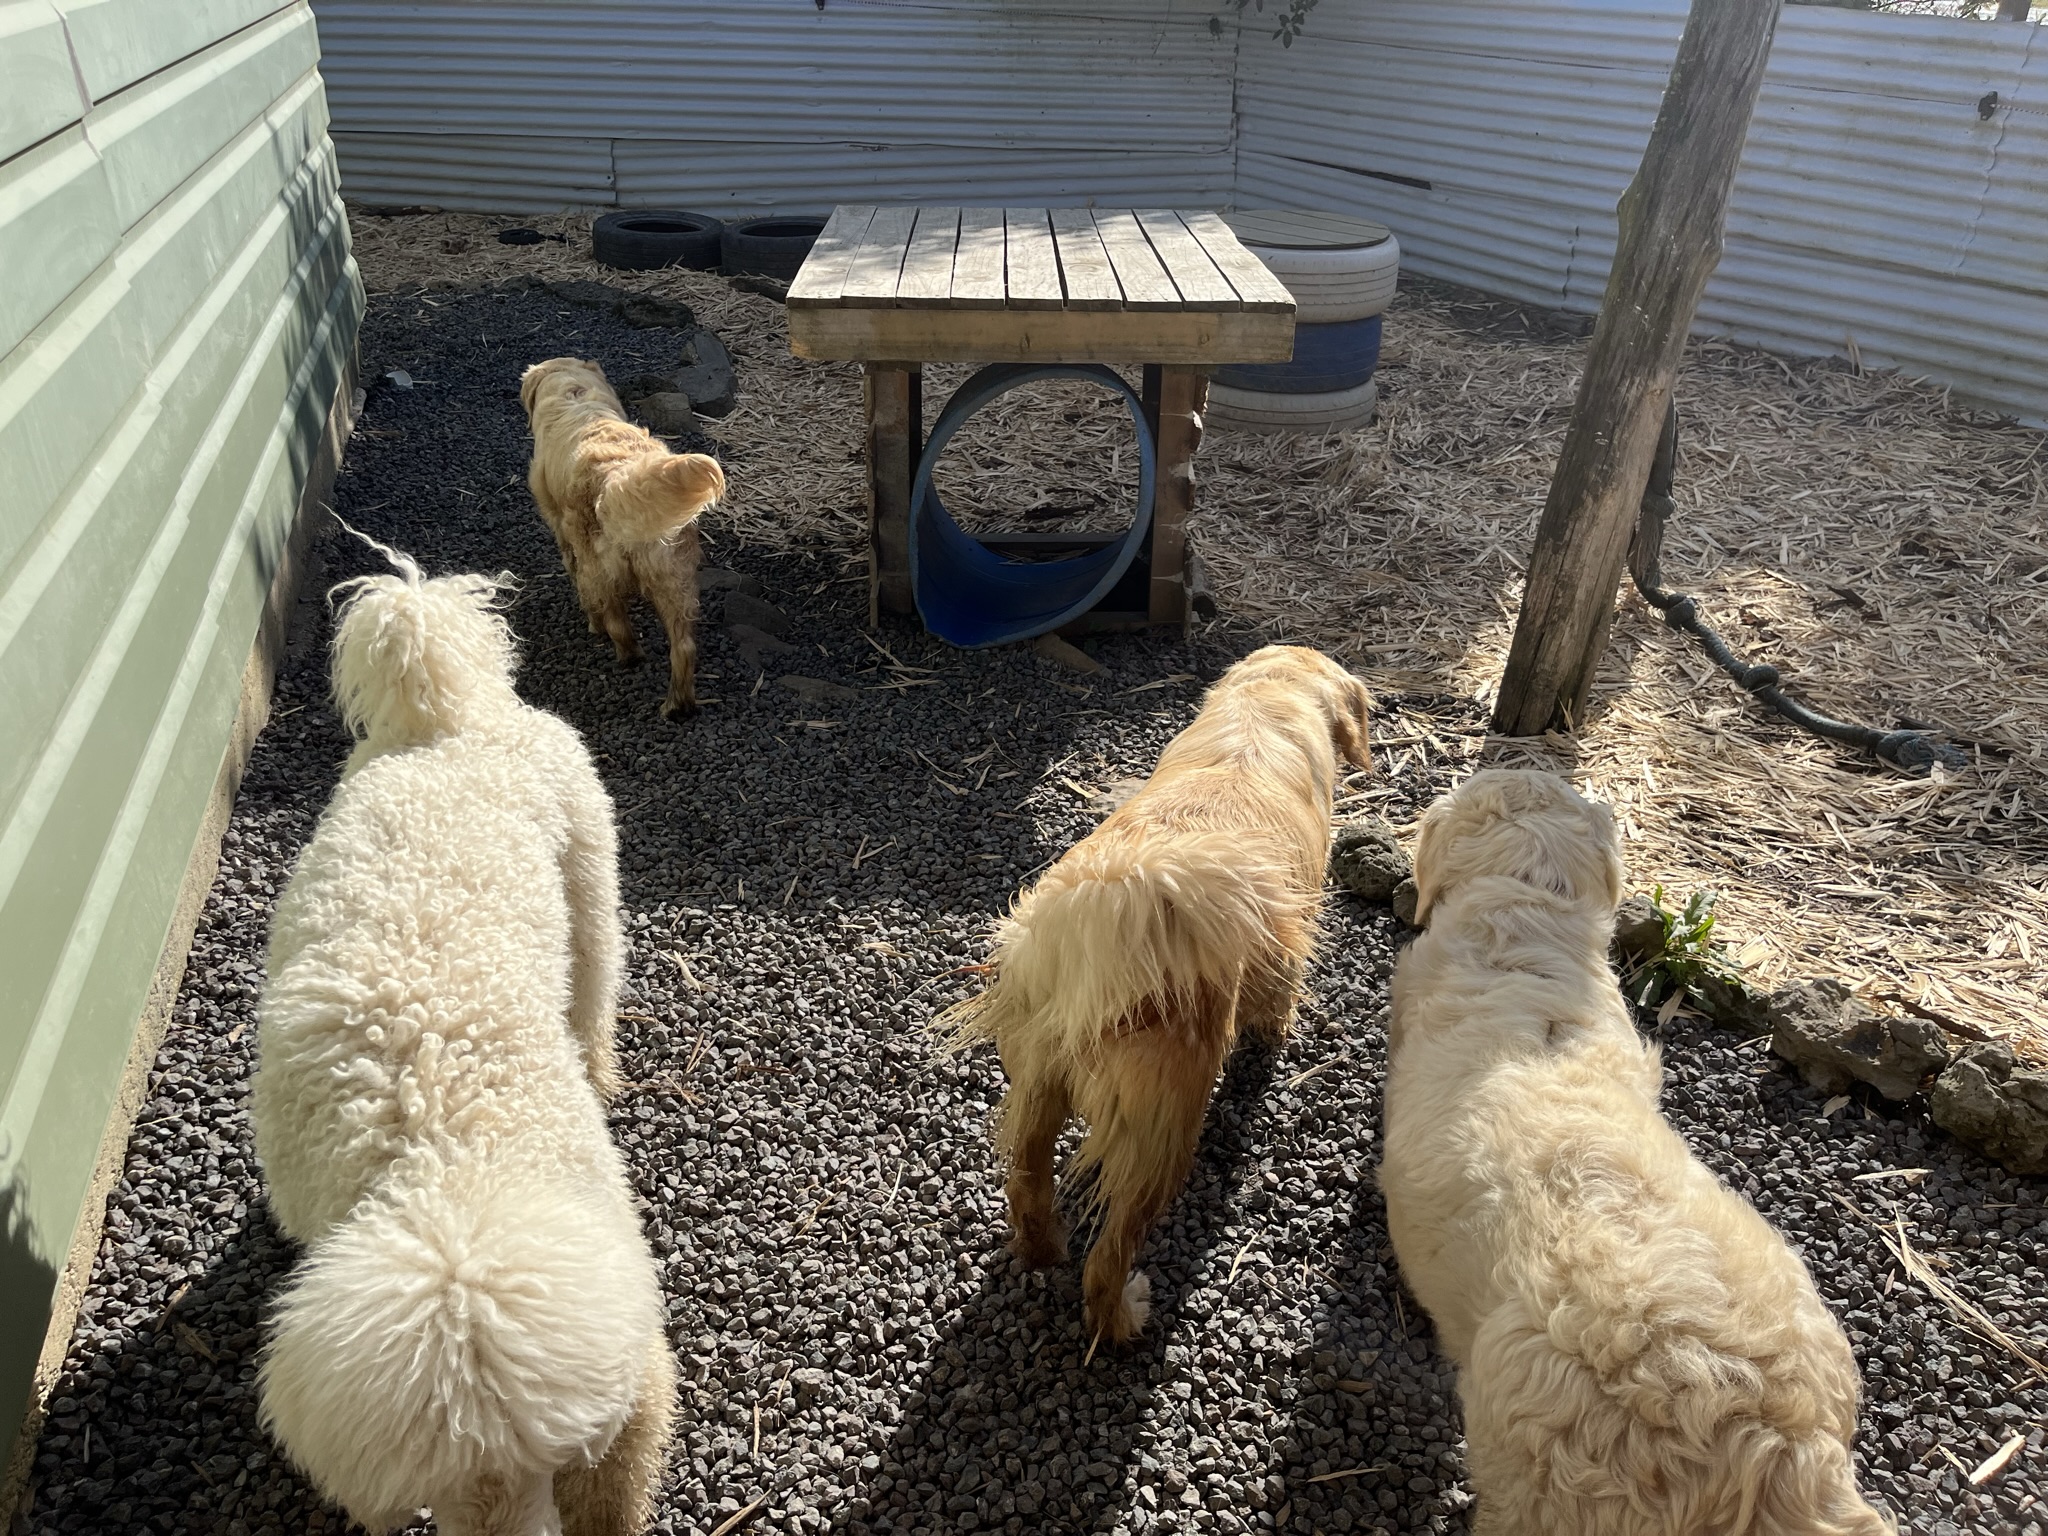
{"x": 1124, "y": 976}
{"x": 623, "y": 510}
{"x": 1639, "y": 1354}
{"x": 474, "y": 1324}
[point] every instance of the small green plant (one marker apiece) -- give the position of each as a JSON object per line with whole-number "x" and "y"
{"x": 1684, "y": 955}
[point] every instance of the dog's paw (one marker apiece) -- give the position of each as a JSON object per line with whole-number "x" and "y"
{"x": 629, "y": 660}
{"x": 1137, "y": 1305}
{"x": 1122, "y": 1320}
{"x": 679, "y": 709}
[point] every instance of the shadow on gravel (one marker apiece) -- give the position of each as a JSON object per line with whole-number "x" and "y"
{"x": 176, "y": 1381}
{"x": 1014, "y": 1428}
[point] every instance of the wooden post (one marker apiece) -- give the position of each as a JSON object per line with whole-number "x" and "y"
{"x": 892, "y": 395}
{"x": 1183, "y": 396}
{"x": 1671, "y": 222}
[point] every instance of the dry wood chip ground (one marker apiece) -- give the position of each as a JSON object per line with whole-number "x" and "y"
{"x": 1882, "y": 544}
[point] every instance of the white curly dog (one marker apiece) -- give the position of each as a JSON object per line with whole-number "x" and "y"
{"x": 1639, "y": 1354}
{"x": 475, "y": 1325}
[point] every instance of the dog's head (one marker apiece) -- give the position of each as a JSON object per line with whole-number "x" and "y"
{"x": 1344, "y": 699}
{"x": 416, "y": 658}
{"x": 1517, "y": 825}
{"x": 571, "y": 378}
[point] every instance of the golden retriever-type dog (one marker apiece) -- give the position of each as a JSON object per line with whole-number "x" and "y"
{"x": 1124, "y": 976}
{"x": 475, "y": 1323}
{"x": 1639, "y": 1354}
{"x": 623, "y": 509}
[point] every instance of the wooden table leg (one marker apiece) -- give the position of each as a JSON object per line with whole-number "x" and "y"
{"x": 892, "y": 393}
{"x": 1183, "y": 396}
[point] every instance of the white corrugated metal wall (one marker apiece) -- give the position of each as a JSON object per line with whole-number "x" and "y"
{"x": 778, "y": 104}
{"x": 1875, "y": 202}
{"x": 1884, "y": 196}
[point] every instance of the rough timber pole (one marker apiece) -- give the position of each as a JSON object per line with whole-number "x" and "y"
{"x": 1671, "y": 219}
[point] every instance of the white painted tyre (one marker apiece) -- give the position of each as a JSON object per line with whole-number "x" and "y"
{"x": 1337, "y": 268}
{"x": 1255, "y": 410}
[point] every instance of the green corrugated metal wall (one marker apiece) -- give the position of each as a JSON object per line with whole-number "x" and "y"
{"x": 177, "y": 306}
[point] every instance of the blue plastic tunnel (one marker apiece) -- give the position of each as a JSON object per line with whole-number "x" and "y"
{"x": 971, "y": 596}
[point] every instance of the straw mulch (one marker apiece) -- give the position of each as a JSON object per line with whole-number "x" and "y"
{"x": 1884, "y": 546}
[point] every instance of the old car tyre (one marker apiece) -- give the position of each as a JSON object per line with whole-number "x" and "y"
{"x": 645, "y": 238}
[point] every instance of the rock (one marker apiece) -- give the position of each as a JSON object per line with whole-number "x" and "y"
{"x": 640, "y": 309}
{"x": 1406, "y": 899}
{"x": 744, "y": 609}
{"x": 588, "y": 294}
{"x": 815, "y": 690}
{"x": 1834, "y": 1038}
{"x": 1732, "y": 1004}
{"x": 1066, "y": 654}
{"x": 1638, "y": 930}
{"x": 641, "y": 385}
{"x": 711, "y": 579}
{"x": 757, "y": 645}
{"x": 649, "y": 311}
{"x": 668, "y": 413}
{"x": 706, "y": 375}
{"x": 1366, "y": 859}
{"x": 1987, "y": 1098}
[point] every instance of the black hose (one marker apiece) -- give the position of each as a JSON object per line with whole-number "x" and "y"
{"x": 1913, "y": 751}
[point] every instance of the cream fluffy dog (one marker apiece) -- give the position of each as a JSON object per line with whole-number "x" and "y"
{"x": 475, "y": 1324}
{"x": 623, "y": 510}
{"x": 1124, "y": 976}
{"x": 1639, "y": 1354}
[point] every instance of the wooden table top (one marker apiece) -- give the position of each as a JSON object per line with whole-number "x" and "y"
{"x": 913, "y": 284}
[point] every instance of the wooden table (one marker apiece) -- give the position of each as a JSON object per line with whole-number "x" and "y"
{"x": 895, "y": 288}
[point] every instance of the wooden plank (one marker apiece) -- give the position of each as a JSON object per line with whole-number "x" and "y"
{"x": 1183, "y": 396}
{"x": 1138, "y": 269}
{"x": 1032, "y": 265}
{"x": 871, "y": 278}
{"x": 1671, "y": 221}
{"x": 927, "y": 278}
{"x": 889, "y": 392}
{"x": 978, "y": 262}
{"x": 1186, "y": 262}
{"x": 1042, "y": 335}
{"x": 1084, "y": 265}
{"x": 823, "y": 275}
{"x": 1256, "y": 287}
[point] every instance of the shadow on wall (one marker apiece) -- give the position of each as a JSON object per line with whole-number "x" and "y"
{"x": 28, "y": 1281}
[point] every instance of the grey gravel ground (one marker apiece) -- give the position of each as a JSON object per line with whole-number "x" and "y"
{"x": 801, "y": 881}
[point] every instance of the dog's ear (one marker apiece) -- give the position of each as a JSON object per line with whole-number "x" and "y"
{"x": 1351, "y": 722}
{"x": 529, "y": 385}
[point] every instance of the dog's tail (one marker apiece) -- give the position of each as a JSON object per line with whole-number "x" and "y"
{"x": 458, "y": 1341}
{"x": 654, "y": 496}
{"x": 1112, "y": 928}
{"x": 415, "y": 659}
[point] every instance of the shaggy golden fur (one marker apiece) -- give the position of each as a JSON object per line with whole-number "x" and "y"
{"x": 623, "y": 510}
{"x": 1122, "y": 978}
{"x": 475, "y": 1323}
{"x": 1639, "y": 1354}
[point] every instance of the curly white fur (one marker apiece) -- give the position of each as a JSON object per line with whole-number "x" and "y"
{"x": 1639, "y": 1353}
{"x": 477, "y": 1310}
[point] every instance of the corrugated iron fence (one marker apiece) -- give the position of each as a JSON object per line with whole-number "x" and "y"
{"x": 177, "y": 307}
{"x": 784, "y": 104}
{"x": 1895, "y": 189}
{"x": 1892, "y": 204}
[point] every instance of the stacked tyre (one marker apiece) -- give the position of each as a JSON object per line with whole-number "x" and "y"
{"x": 1342, "y": 273}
